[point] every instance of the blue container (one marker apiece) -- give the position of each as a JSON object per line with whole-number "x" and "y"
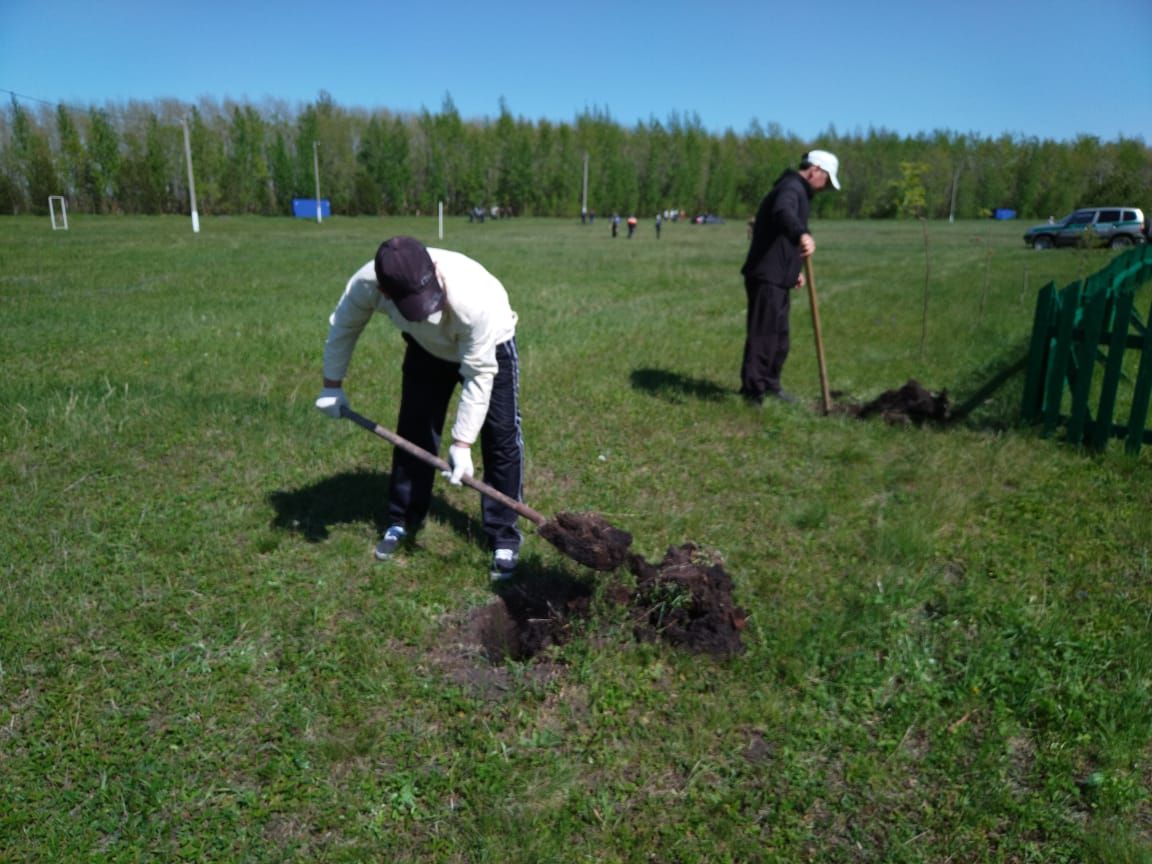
{"x": 305, "y": 208}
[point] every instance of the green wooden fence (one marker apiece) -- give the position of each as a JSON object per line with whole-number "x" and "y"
{"x": 1082, "y": 328}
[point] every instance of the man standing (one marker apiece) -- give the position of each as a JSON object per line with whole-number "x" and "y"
{"x": 458, "y": 327}
{"x": 780, "y": 241}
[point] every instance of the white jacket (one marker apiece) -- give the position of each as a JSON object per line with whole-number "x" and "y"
{"x": 475, "y": 319}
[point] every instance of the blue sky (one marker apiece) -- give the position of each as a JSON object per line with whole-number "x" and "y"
{"x": 1044, "y": 68}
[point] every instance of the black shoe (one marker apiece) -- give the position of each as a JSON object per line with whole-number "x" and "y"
{"x": 752, "y": 400}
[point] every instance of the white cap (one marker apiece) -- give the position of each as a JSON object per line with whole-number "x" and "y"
{"x": 824, "y": 159}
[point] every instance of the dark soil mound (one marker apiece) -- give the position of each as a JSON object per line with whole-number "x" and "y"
{"x": 910, "y": 404}
{"x": 687, "y": 602}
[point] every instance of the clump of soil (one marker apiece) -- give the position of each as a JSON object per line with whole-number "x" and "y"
{"x": 587, "y": 538}
{"x": 912, "y": 404}
{"x": 687, "y": 601}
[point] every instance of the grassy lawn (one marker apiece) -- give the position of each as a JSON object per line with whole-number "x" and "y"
{"x": 948, "y": 653}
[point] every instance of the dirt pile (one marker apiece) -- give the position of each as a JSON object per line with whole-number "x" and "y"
{"x": 687, "y": 601}
{"x": 911, "y": 404}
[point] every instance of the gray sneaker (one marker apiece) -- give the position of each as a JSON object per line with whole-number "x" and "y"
{"x": 504, "y": 563}
{"x": 391, "y": 540}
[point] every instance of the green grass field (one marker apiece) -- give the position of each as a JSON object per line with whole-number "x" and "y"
{"x": 948, "y": 655}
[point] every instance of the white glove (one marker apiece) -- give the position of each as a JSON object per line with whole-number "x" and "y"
{"x": 460, "y": 458}
{"x": 331, "y": 400}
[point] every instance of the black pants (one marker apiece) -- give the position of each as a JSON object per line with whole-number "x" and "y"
{"x": 767, "y": 341}
{"x": 427, "y": 387}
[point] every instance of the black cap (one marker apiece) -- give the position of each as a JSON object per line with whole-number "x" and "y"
{"x": 407, "y": 276}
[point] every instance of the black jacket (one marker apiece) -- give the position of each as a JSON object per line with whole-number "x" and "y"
{"x": 782, "y": 218}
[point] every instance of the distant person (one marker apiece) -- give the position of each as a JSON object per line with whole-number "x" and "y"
{"x": 772, "y": 268}
{"x": 659, "y": 219}
{"x": 632, "y": 222}
{"x": 615, "y": 224}
{"x": 458, "y": 328}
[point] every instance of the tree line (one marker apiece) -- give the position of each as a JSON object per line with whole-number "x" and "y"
{"x": 249, "y": 159}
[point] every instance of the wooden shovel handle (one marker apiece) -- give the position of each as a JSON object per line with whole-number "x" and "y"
{"x": 825, "y": 393}
{"x": 436, "y": 462}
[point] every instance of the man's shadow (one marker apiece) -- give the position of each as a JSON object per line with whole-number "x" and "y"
{"x": 351, "y": 497}
{"x": 539, "y": 602}
{"x": 676, "y": 388}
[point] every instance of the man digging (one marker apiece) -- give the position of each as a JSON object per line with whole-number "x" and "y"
{"x": 459, "y": 328}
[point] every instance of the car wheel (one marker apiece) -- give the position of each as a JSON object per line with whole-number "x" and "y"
{"x": 1042, "y": 242}
{"x": 1120, "y": 242}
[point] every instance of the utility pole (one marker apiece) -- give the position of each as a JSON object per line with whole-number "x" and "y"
{"x": 191, "y": 179}
{"x": 584, "y": 200}
{"x": 955, "y": 186}
{"x": 316, "y": 170}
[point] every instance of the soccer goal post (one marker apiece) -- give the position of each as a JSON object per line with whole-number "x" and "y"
{"x": 62, "y": 222}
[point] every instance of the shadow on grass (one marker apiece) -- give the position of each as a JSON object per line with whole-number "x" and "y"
{"x": 674, "y": 387}
{"x": 990, "y": 381}
{"x": 348, "y": 498}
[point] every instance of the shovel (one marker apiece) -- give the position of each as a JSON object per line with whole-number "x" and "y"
{"x": 586, "y": 538}
{"x": 825, "y": 393}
